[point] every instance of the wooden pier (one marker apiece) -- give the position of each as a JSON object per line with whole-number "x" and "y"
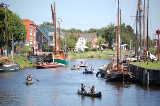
{"x": 145, "y": 76}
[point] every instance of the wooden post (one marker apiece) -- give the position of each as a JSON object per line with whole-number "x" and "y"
{"x": 148, "y": 78}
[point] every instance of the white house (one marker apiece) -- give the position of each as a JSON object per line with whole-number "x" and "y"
{"x": 81, "y": 45}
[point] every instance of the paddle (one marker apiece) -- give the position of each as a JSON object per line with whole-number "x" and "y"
{"x": 37, "y": 80}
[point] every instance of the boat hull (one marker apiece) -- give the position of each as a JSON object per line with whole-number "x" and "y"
{"x": 9, "y": 68}
{"x": 29, "y": 82}
{"x": 89, "y": 94}
{"x": 51, "y": 65}
{"x": 62, "y": 61}
{"x": 88, "y": 72}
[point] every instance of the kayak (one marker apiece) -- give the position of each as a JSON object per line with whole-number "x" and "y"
{"x": 29, "y": 82}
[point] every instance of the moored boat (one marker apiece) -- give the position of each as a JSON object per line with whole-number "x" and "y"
{"x": 49, "y": 65}
{"x": 75, "y": 67}
{"x": 88, "y": 72}
{"x": 83, "y": 65}
{"x": 98, "y": 94}
{"x": 9, "y": 67}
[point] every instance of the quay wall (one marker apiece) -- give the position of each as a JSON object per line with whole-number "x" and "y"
{"x": 144, "y": 76}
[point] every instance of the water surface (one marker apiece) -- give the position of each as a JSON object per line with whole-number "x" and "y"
{"x": 58, "y": 87}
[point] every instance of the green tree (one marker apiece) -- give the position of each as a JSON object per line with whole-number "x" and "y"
{"x": 89, "y": 43}
{"x": 25, "y": 50}
{"x": 72, "y": 30}
{"x": 71, "y": 42}
{"x": 100, "y": 41}
{"x": 11, "y": 25}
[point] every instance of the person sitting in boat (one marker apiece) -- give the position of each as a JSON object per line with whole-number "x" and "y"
{"x": 82, "y": 87}
{"x": 29, "y": 77}
{"x": 86, "y": 70}
{"x": 93, "y": 90}
{"x": 92, "y": 69}
{"x": 81, "y": 63}
{"x": 74, "y": 66}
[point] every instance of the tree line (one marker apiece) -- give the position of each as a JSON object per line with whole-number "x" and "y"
{"x": 11, "y": 28}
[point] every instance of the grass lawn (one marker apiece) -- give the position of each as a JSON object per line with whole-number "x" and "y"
{"x": 107, "y": 54}
{"x": 23, "y": 62}
{"x": 148, "y": 65}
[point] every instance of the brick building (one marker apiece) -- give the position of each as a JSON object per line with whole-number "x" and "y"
{"x": 35, "y": 38}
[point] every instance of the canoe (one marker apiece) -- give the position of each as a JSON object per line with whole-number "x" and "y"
{"x": 98, "y": 94}
{"x": 29, "y": 82}
{"x": 50, "y": 65}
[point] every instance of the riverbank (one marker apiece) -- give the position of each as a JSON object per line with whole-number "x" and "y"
{"x": 22, "y": 61}
{"x": 148, "y": 65}
{"x": 147, "y": 75}
{"x": 107, "y": 54}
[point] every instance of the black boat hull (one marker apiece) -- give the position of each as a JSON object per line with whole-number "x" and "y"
{"x": 90, "y": 94}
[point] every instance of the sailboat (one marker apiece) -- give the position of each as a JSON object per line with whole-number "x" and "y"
{"x": 59, "y": 57}
{"x": 115, "y": 70}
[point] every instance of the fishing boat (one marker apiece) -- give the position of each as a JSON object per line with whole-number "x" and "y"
{"x": 59, "y": 57}
{"x": 98, "y": 94}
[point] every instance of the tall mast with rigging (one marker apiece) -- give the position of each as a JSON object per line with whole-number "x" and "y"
{"x": 118, "y": 37}
{"x": 56, "y": 36}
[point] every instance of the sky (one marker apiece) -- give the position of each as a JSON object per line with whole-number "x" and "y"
{"x": 84, "y": 14}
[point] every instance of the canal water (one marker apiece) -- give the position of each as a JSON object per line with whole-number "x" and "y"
{"x": 58, "y": 87}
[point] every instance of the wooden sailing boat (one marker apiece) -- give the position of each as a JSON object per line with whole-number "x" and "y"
{"x": 115, "y": 71}
{"x": 58, "y": 56}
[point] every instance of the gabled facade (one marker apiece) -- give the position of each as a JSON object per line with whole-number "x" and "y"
{"x": 35, "y": 38}
{"x": 30, "y": 27}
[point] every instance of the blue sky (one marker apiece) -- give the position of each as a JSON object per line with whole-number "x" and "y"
{"x": 84, "y": 14}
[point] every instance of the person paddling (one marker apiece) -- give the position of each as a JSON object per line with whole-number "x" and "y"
{"x": 29, "y": 77}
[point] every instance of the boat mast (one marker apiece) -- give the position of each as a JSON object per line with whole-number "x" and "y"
{"x": 58, "y": 37}
{"x": 54, "y": 23}
{"x": 144, "y": 26}
{"x": 136, "y": 42}
{"x": 118, "y": 37}
{"x": 140, "y": 26}
{"x": 147, "y": 25}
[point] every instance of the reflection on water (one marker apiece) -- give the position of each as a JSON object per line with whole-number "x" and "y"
{"x": 58, "y": 87}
